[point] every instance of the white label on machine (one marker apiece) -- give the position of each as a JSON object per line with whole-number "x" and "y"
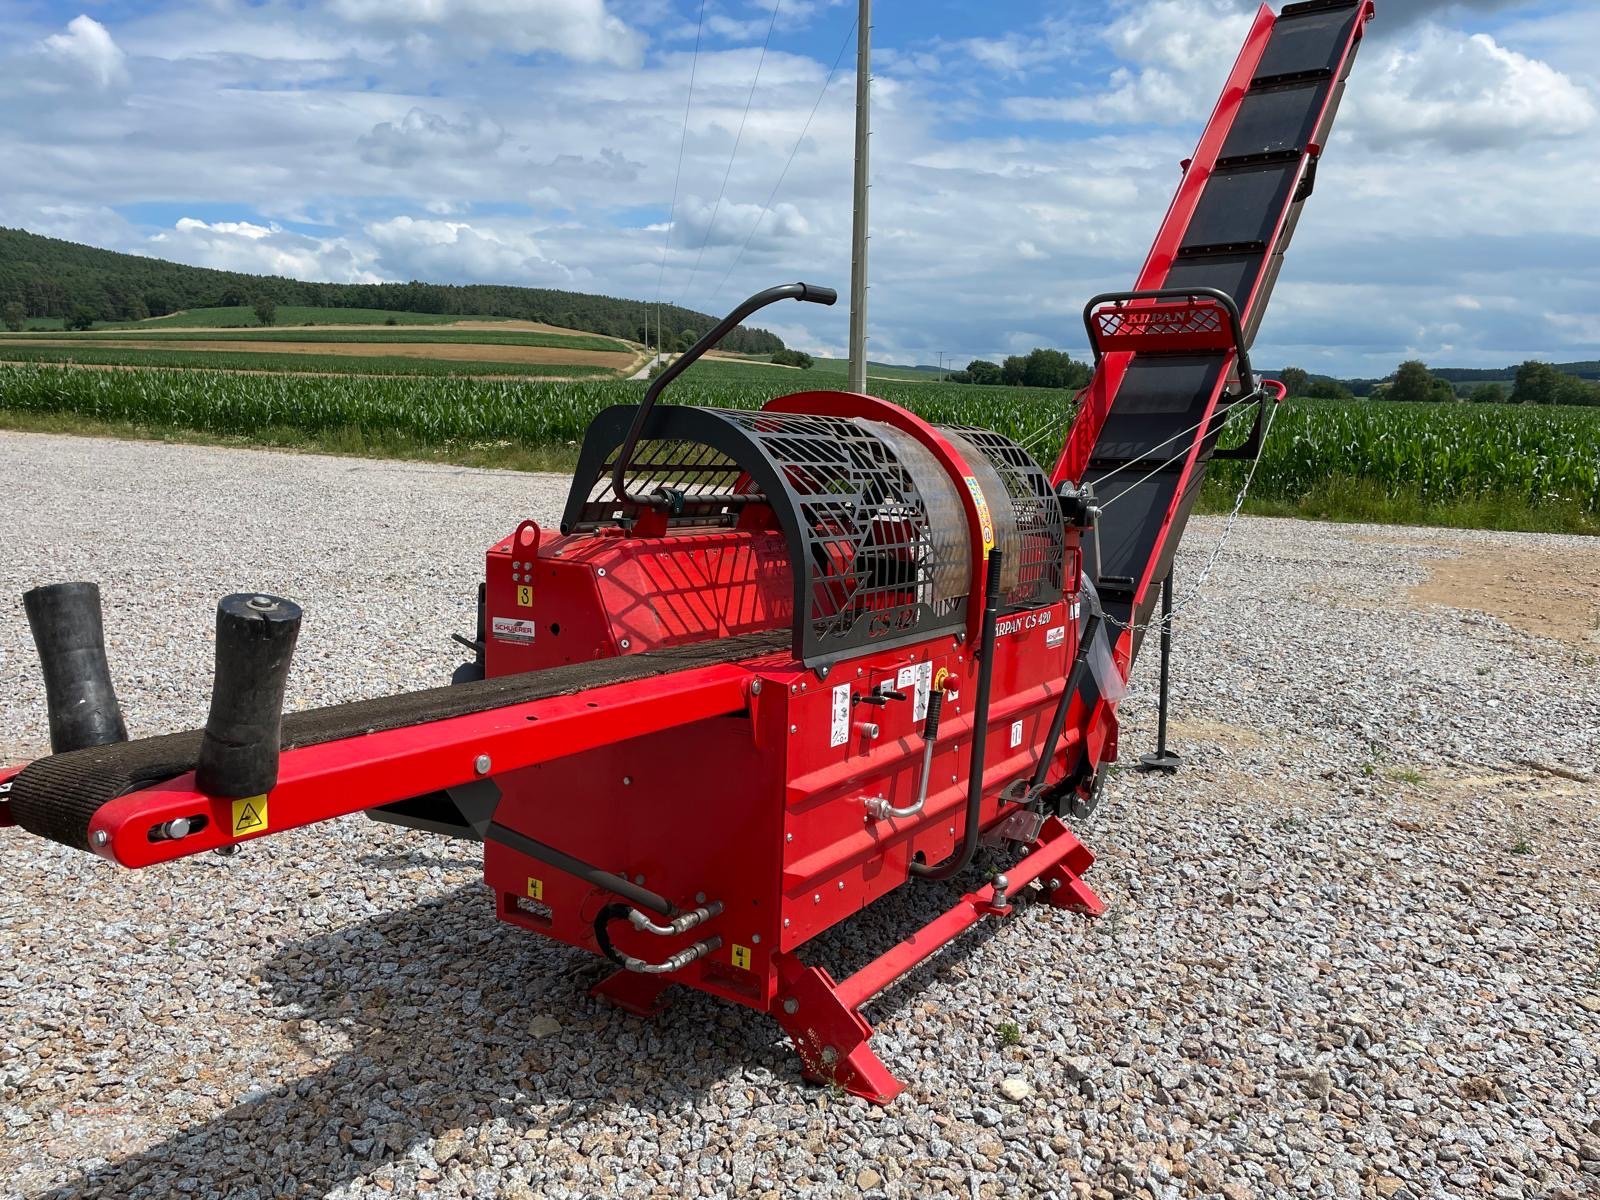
{"x": 1016, "y": 734}
{"x": 512, "y": 629}
{"x": 841, "y": 715}
{"x": 1054, "y": 637}
{"x": 917, "y": 679}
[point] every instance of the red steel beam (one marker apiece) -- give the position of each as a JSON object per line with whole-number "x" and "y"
{"x": 334, "y": 779}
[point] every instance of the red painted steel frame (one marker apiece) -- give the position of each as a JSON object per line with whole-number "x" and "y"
{"x": 316, "y": 783}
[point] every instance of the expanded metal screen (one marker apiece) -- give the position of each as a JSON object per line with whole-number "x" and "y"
{"x": 1029, "y": 528}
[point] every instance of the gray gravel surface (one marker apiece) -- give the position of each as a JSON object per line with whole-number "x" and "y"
{"x": 1351, "y": 947}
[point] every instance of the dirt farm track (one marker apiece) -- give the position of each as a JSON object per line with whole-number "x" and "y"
{"x": 1353, "y": 946}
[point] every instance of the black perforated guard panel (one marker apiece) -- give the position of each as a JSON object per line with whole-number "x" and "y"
{"x": 58, "y": 796}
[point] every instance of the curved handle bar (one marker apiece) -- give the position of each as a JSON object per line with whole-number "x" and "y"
{"x": 808, "y": 293}
{"x": 1221, "y": 297}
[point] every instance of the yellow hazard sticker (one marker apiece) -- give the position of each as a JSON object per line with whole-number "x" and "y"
{"x": 249, "y": 816}
{"x": 524, "y": 595}
{"x": 535, "y": 888}
{"x": 985, "y": 521}
{"x": 741, "y": 957}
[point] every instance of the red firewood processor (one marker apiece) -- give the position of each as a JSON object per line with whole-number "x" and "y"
{"x": 774, "y": 663}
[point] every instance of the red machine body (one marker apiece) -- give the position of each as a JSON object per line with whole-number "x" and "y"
{"x": 729, "y": 693}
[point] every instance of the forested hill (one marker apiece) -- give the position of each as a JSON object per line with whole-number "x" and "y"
{"x": 52, "y": 278}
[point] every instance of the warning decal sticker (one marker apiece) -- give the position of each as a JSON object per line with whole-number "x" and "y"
{"x": 985, "y": 521}
{"x": 249, "y": 816}
{"x": 524, "y": 596}
{"x": 840, "y": 731}
{"x": 741, "y": 957}
{"x": 535, "y": 888}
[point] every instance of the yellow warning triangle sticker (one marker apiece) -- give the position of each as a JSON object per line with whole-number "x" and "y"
{"x": 250, "y": 816}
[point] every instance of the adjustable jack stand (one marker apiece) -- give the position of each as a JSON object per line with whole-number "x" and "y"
{"x": 1163, "y": 759}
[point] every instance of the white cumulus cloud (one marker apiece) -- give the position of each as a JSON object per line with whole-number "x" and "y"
{"x": 584, "y": 30}
{"x": 88, "y": 49}
{"x": 1465, "y": 93}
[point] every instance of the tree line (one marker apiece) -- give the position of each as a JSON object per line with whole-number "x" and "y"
{"x": 1039, "y": 368}
{"x": 47, "y": 277}
{"x": 1535, "y": 383}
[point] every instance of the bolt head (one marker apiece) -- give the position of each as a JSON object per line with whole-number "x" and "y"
{"x": 627, "y": 781}
{"x": 755, "y": 687}
{"x": 699, "y": 897}
{"x": 817, "y": 898}
{"x": 481, "y": 764}
{"x": 755, "y": 939}
{"x": 841, "y": 885}
{"x": 829, "y": 1055}
{"x": 794, "y": 729}
{"x": 786, "y": 922}
{"x": 790, "y": 1004}
{"x": 101, "y": 837}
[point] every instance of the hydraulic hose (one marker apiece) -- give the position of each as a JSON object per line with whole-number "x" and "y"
{"x": 881, "y": 809}
{"x": 676, "y": 962}
{"x": 980, "y": 732}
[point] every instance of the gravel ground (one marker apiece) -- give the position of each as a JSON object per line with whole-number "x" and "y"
{"x": 1351, "y": 947}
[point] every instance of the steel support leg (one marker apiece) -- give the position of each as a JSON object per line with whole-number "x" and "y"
{"x": 1163, "y": 759}
{"x": 633, "y": 992}
{"x": 829, "y": 1036}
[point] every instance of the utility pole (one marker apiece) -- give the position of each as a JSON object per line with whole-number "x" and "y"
{"x": 858, "y": 233}
{"x": 941, "y": 366}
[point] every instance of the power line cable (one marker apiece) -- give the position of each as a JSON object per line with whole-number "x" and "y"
{"x": 806, "y": 128}
{"x": 737, "y": 138}
{"x": 677, "y": 178}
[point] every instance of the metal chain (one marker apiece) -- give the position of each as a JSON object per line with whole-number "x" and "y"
{"x": 1216, "y": 551}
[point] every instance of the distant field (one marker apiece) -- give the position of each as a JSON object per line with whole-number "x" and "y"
{"x": 342, "y": 341}
{"x": 381, "y": 335}
{"x": 244, "y": 316}
{"x": 222, "y": 361}
{"x": 823, "y": 373}
{"x": 1479, "y": 465}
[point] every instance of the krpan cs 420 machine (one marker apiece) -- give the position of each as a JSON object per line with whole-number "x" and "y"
{"x": 777, "y": 663}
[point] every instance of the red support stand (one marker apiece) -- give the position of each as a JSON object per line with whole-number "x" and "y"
{"x": 829, "y": 1036}
{"x": 633, "y": 992}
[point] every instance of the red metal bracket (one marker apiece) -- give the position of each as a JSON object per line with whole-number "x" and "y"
{"x": 633, "y": 992}
{"x": 821, "y": 1017}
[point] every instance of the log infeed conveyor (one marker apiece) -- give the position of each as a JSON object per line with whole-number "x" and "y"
{"x": 776, "y": 663}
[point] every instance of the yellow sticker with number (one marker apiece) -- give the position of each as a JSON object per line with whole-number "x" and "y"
{"x": 524, "y": 595}
{"x": 535, "y": 888}
{"x": 985, "y": 521}
{"x": 249, "y": 816}
{"x": 741, "y": 957}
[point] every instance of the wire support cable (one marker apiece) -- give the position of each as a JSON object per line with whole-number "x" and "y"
{"x": 677, "y": 178}
{"x": 738, "y": 137}
{"x": 782, "y": 175}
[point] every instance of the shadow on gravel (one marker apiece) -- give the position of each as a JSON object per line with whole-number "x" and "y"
{"x": 446, "y": 1015}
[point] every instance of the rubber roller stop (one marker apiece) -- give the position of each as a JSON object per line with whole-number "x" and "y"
{"x": 67, "y": 629}
{"x": 243, "y": 735}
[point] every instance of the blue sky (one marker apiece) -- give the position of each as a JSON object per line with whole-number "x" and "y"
{"x": 1023, "y": 155}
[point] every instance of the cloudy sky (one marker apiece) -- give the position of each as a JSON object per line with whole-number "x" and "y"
{"x": 1023, "y": 155}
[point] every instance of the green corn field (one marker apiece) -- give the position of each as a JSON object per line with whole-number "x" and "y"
{"x": 1534, "y": 458}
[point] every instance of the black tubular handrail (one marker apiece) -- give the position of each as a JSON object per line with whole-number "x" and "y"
{"x": 1235, "y": 325}
{"x": 808, "y": 293}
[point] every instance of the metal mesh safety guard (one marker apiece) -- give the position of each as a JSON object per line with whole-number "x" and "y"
{"x": 875, "y": 526}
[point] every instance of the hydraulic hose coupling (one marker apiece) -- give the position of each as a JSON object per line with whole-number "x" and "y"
{"x": 244, "y": 733}
{"x": 67, "y": 629}
{"x": 680, "y": 924}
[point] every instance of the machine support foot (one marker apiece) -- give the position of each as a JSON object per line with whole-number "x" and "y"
{"x": 829, "y": 1036}
{"x": 1163, "y": 759}
{"x": 633, "y": 992}
{"x": 1063, "y": 882}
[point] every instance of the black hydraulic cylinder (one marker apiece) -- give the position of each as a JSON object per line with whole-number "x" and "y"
{"x": 980, "y": 733}
{"x": 1163, "y": 759}
{"x": 243, "y": 735}
{"x": 67, "y": 629}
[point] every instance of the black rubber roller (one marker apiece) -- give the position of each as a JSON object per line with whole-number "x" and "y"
{"x": 244, "y": 733}
{"x": 83, "y": 710}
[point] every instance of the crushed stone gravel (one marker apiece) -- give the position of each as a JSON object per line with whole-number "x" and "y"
{"x": 1351, "y": 948}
